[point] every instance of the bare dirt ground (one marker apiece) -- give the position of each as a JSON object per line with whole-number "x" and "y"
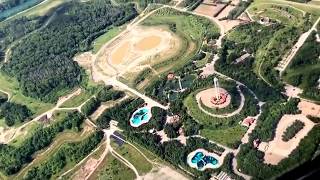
{"x": 309, "y": 108}
{"x": 292, "y": 91}
{"x": 164, "y": 173}
{"x": 277, "y": 149}
{"x": 208, "y": 8}
{"x": 206, "y": 95}
{"x": 85, "y": 170}
{"x": 140, "y": 44}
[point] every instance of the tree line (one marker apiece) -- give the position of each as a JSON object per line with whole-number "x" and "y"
{"x": 12, "y": 158}
{"x": 69, "y": 153}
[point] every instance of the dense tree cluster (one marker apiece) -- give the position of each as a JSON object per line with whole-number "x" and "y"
{"x": 14, "y": 113}
{"x": 68, "y": 153}
{"x": 299, "y": 72}
{"x": 173, "y": 151}
{"x": 15, "y": 29}
{"x": 239, "y": 9}
{"x": 120, "y": 112}
{"x": 12, "y": 158}
{"x": 90, "y": 107}
{"x": 3, "y": 98}
{"x": 107, "y": 94}
{"x": 251, "y": 162}
{"x": 270, "y": 117}
{"x": 43, "y": 63}
{"x": 292, "y": 130}
{"x": 233, "y": 47}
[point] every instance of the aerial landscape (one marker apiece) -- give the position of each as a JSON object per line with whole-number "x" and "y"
{"x": 159, "y": 89}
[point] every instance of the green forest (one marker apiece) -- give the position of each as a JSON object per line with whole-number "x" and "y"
{"x": 13, "y": 158}
{"x": 43, "y": 62}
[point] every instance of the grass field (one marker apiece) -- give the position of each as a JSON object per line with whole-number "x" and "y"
{"x": 11, "y": 86}
{"x": 28, "y": 133}
{"x": 313, "y": 9}
{"x": 44, "y": 8}
{"x": 101, "y": 40}
{"x": 189, "y": 28}
{"x": 290, "y": 17}
{"x": 111, "y": 168}
{"x": 228, "y": 136}
{"x": 76, "y": 101}
{"x": 134, "y": 157}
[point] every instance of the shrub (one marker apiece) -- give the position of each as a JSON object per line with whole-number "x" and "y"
{"x": 292, "y": 130}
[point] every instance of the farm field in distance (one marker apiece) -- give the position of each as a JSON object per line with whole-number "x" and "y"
{"x": 162, "y": 89}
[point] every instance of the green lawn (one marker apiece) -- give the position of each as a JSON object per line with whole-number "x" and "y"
{"x": 11, "y": 86}
{"x": 101, "y": 40}
{"x": 28, "y": 132}
{"x": 134, "y": 157}
{"x": 111, "y": 168}
{"x": 313, "y": 9}
{"x": 76, "y": 101}
{"x": 227, "y": 137}
{"x": 292, "y": 17}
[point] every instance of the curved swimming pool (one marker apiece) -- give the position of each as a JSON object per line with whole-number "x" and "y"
{"x": 201, "y": 160}
{"x": 140, "y": 116}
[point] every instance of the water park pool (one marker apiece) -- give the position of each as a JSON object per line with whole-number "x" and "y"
{"x": 140, "y": 116}
{"x": 201, "y": 160}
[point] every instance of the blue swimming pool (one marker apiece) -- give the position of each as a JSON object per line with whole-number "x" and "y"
{"x": 201, "y": 161}
{"x": 140, "y": 116}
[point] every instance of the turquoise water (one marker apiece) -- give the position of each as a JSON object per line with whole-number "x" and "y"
{"x": 10, "y": 12}
{"x": 140, "y": 116}
{"x": 201, "y": 160}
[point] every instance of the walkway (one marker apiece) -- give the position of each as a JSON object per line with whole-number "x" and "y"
{"x": 286, "y": 61}
{"x": 4, "y": 139}
{"x": 149, "y": 101}
{"x": 237, "y": 111}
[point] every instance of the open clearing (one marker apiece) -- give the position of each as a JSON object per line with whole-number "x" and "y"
{"x": 138, "y": 45}
{"x": 277, "y": 149}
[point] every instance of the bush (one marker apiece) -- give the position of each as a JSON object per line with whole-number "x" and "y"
{"x": 171, "y": 130}
{"x": 90, "y": 107}
{"x": 14, "y": 113}
{"x": 292, "y": 130}
{"x": 107, "y": 94}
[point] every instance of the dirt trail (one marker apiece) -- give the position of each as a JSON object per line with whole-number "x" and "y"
{"x": 15, "y": 132}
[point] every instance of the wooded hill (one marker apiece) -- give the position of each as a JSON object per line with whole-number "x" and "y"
{"x": 43, "y": 62}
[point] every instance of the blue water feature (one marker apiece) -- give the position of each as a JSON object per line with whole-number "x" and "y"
{"x": 201, "y": 160}
{"x": 140, "y": 116}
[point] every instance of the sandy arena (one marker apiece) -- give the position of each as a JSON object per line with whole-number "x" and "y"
{"x": 139, "y": 45}
{"x": 206, "y": 95}
{"x": 277, "y": 149}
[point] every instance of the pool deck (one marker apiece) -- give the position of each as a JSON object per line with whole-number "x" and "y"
{"x": 142, "y": 121}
